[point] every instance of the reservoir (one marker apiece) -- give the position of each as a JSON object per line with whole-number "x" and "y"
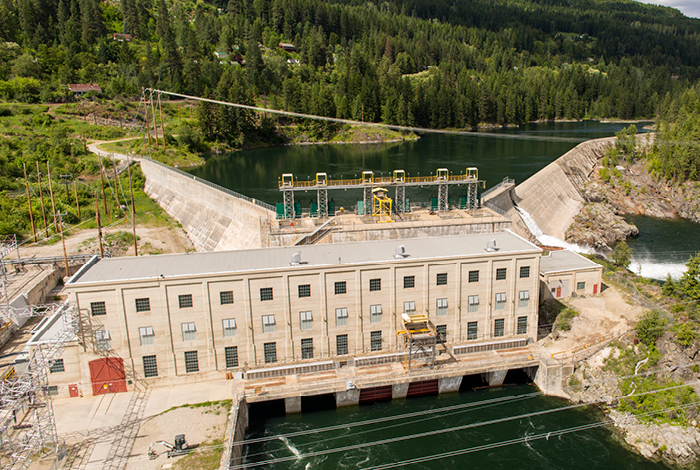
{"x": 255, "y": 173}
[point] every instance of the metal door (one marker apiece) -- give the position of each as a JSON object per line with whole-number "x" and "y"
{"x": 558, "y": 292}
{"x": 107, "y": 375}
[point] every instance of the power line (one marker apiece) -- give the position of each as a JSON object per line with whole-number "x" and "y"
{"x": 445, "y": 430}
{"x": 374, "y": 124}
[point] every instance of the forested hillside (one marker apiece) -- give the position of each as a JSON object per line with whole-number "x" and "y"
{"x": 433, "y": 63}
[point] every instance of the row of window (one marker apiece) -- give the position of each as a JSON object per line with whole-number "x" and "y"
{"x": 304, "y": 290}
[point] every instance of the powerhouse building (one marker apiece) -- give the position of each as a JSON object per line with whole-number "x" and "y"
{"x": 190, "y": 317}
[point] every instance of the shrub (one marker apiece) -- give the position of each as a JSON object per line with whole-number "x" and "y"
{"x": 686, "y": 335}
{"x": 650, "y": 328}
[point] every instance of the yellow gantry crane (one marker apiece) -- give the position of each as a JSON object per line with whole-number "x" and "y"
{"x": 443, "y": 179}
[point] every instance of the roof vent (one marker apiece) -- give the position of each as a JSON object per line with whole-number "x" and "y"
{"x": 400, "y": 252}
{"x": 296, "y": 259}
{"x": 491, "y": 245}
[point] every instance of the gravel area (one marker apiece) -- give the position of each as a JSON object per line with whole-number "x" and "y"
{"x": 201, "y": 425}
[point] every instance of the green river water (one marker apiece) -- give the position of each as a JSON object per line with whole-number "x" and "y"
{"x": 663, "y": 247}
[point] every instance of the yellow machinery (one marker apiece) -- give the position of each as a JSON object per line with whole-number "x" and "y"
{"x": 381, "y": 206}
{"x": 419, "y": 338}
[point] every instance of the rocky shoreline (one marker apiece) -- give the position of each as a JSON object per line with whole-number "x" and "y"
{"x": 629, "y": 189}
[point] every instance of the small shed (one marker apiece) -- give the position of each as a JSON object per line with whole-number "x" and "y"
{"x": 121, "y": 37}
{"x": 564, "y": 273}
{"x": 287, "y": 46}
{"x": 79, "y": 89}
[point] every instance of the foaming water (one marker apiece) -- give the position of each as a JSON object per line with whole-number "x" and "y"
{"x": 290, "y": 446}
{"x": 657, "y": 270}
{"x": 549, "y": 240}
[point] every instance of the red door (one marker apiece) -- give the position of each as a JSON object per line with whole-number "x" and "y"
{"x": 558, "y": 292}
{"x": 107, "y": 375}
{"x": 73, "y": 390}
{"x": 595, "y": 288}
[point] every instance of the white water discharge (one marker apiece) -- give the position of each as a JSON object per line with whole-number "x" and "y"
{"x": 549, "y": 240}
{"x": 290, "y": 446}
{"x": 655, "y": 269}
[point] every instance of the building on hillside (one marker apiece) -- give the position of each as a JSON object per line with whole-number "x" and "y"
{"x": 192, "y": 317}
{"x": 567, "y": 274}
{"x": 288, "y": 47}
{"x": 121, "y": 37}
{"x": 79, "y": 89}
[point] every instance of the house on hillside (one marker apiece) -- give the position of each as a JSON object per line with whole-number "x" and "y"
{"x": 79, "y": 89}
{"x": 288, "y": 47}
{"x": 121, "y": 37}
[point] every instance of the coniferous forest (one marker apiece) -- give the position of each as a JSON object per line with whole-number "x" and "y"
{"x": 427, "y": 63}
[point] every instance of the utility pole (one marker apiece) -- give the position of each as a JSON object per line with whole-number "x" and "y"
{"x": 148, "y": 125}
{"x": 29, "y": 201}
{"x": 99, "y": 226}
{"x": 116, "y": 180}
{"x": 102, "y": 183}
{"x": 66, "y": 179}
{"x": 53, "y": 205}
{"x": 77, "y": 202}
{"x": 133, "y": 208}
{"x": 60, "y": 224}
{"x": 153, "y": 113}
{"x": 162, "y": 128}
{"x": 41, "y": 197}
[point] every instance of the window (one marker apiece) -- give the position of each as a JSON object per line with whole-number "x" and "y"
{"x": 185, "y": 300}
{"x": 189, "y": 332}
{"x": 341, "y": 344}
{"x": 340, "y": 287}
{"x": 147, "y": 336}
{"x": 226, "y": 297}
{"x": 341, "y": 316}
{"x": 442, "y": 279}
{"x": 231, "y": 356}
{"x": 98, "y": 308}
{"x": 376, "y": 340}
{"x": 442, "y": 333}
{"x": 102, "y": 340}
{"x": 409, "y": 307}
{"x": 375, "y": 313}
{"x": 522, "y": 325}
{"x": 579, "y": 286}
{"x": 268, "y": 323}
{"x": 307, "y": 348}
{"x": 56, "y": 366}
{"x": 523, "y": 298}
{"x": 270, "y": 350}
{"x": 143, "y": 305}
{"x": 473, "y": 304}
{"x": 441, "y": 307}
{"x": 306, "y": 320}
{"x": 498, "y": 327}
{"x": 501, "y": 301}
{"x": 500, "y": 274}
{"x": 524, "y": 272}
{"x": 229, "y": 327}
{"x": 375, "y": 284}
{"x": 265, "y": 294}
{"x": 473, "y": 276}
{"x": 191, "y": 361}
{"x": 150, "y": 366}
{"x": 472, "y": 330}
{"x": 53, "y": 389}
{"x": 304, "y": 290}
{"x": 409, "y": 282}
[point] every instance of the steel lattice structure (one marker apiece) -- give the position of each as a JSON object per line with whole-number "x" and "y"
{"x": 27, "y": 424}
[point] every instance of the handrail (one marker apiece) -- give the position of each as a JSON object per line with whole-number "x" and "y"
{"x": 212, "y": 185}
{"x": 505, "y": 181}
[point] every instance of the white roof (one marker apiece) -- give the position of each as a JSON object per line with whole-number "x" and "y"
{"x": 565, "y": 260}
{"x": 269, "y": 259}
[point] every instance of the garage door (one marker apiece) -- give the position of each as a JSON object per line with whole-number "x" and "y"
{"x": 107, "y": 375}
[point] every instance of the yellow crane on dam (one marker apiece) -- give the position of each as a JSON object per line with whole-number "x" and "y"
{"x": 443, "y": 179}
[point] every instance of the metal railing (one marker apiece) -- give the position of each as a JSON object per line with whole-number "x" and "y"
{"x": 212, "y": 185}
{"x": 505, "y": 181}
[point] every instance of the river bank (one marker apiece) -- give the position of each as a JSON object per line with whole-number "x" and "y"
{"x": 628, "y": 189}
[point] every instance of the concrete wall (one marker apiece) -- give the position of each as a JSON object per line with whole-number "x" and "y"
{"x": 552, "y": 196}
{"x": 213, "y": 219}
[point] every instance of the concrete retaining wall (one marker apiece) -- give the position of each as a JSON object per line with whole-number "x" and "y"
{"x": 552, "y": 196}
{"x": 213, "y": 219}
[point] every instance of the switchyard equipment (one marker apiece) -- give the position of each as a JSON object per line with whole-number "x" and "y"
{"x": 420, "y": 337}
{"x": 27, "y": 423}
{"x": 288, "y": 184}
